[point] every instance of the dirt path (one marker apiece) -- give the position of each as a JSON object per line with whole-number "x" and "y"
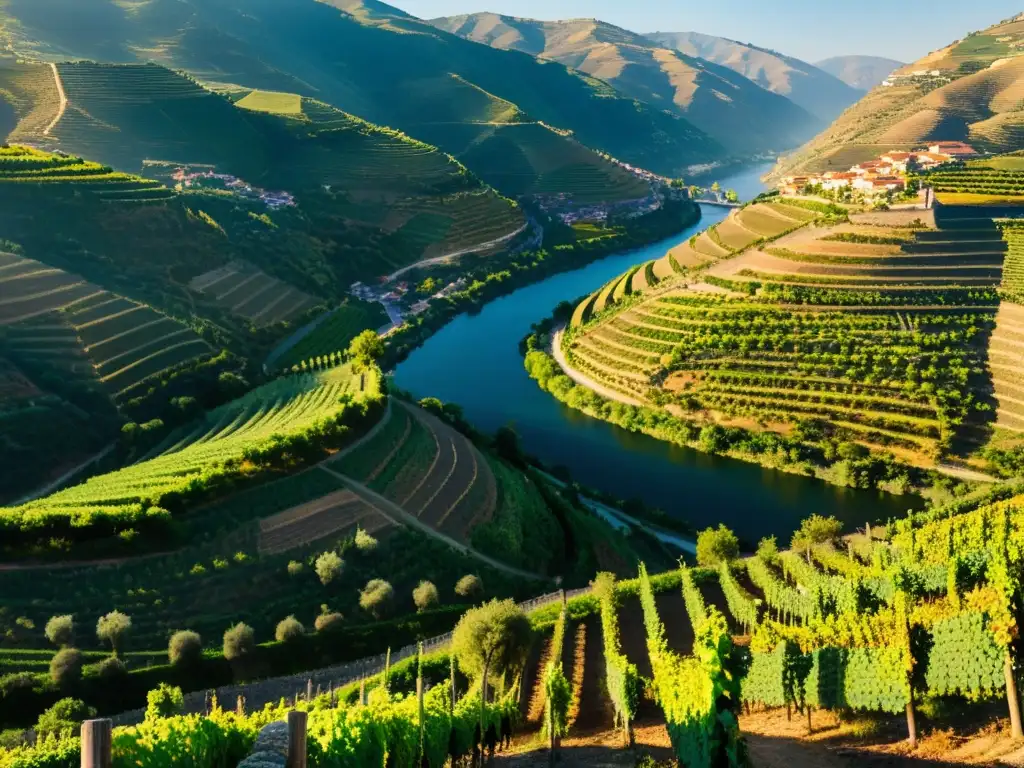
{"x": 63, "y": 101}
{"x": 455, "y": 254}
{"x": 582, "y": 380}
{"x": 55, "y": 484}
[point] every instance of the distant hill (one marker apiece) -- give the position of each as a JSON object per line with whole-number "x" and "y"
{"x": 968, "y": 91}
{"x": 722, "y": 103}
{"x": 804, "y": 84}
{"x": 860, "y": 72}
{"x": 368, "y": 58}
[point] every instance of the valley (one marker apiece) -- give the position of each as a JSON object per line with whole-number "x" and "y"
{"x": 420, "y": 386}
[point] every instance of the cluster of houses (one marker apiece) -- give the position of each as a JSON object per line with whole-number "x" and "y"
{"x": 186, "y": 179}
{"x": 883, "y": 176}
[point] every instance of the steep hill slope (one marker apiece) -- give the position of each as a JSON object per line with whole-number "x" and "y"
{"x": 813, "y": 89}
{"x": 741, "y": 115}
{"x": 368, "y": 58}
{"x": 968, "y": 91}
{"x": 860, "y": 72}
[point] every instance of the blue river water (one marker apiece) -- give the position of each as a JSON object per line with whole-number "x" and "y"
{"x": 474, "y": 361}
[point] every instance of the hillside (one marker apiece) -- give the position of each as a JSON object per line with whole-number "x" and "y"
{"x": 815, "y": 328}
{"x": 968, "y": 91}
{"x": 741, "y": 115}
{"x": 371, "y": 60}
{"x": 813, "y": 89}
{"x": 860, "y": 72}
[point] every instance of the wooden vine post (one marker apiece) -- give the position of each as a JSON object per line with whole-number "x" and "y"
{"x": 387, "y": 671}
{"x": 296, "y": 722}
{"x": 96, "y": 743}
{"x": 451, "y": 667}
{"x": 1003, "y": 573}
{"x": 419, "y": 693}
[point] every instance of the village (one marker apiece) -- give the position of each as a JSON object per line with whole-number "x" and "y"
{"x": 186, "y": 179}
{"x": 883, "y": 178}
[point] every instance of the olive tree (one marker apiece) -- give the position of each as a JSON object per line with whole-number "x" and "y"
{"x": 494, "y": 638}
{"x": 469, "y": 586}
{"x": 425, "y": 596}
{"x": 815, "y": 531}
{"x": 185, "y": 648}
{"x": 376, "y": 597}
{"x": 66, "y": 667}
{"x": 329, "y": 567}
{"x": 239, "y": 642}
{"x": 60, "y": 630}
{"x": 289, "y": 629}
{"x": 112, "y": 628}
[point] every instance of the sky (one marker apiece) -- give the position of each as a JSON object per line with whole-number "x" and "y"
{"x": 808, "y": 29}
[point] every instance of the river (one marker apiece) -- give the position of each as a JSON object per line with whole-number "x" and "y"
{"x": 474, "y": 361}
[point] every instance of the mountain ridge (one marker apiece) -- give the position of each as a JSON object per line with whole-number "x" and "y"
{"x": 742, "y": 115}
{"x": 860, "y": 72}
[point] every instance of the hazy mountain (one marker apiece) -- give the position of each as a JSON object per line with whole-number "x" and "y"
{"x": 726, "y": 105}
{"x": 813, "y": 89}
{"x": 365, "y": 57}
{"x": 861, "y": 72}
{"x": 969, "y": 91}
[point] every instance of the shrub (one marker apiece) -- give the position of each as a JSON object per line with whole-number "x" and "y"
{"x": 239, "y": 642}
{"x": 289, "y": 629}
{"x": 768, "y": 550}
{"x": 112, "y": 628}
{"x": 185, "y": 648}
{"x": 63, "y": 717}
{"x": 717, "y": 545}
{"x": 469, "y": 586}
{"x": 813, "y": 531}
{"x": 365, "y": 543}
{"x": 425, "y": 596}
{"x": 295, "y": 568}
{"x": 111, "y": 668}
{"x": 60, "y": 630}
{"x": 165, "y": 701}
{"x": 376, "y": 597}
{"x": 329, "y": 621}
{"x": 66, "y": 667}
{"x": 329, "y": 567}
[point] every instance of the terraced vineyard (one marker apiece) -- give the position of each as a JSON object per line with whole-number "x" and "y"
{"x": 29, "y": 288}
{"x": 977, "y": 185}
{"x": 249, "y": 430}
{"x": 531, "y": 159}
{"x": 245, "y": 290}
{"x": 32, "y": 93}
{"x": 336, "y": 332}
{"x": 875, "y": 331}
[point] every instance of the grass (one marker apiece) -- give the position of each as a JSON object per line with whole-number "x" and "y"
{"x": 289, "y": 104}
{"x": 978, "y": 198}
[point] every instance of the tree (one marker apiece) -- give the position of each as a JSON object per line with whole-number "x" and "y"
{"x": 60, "y": 630}
{"x": 425, "y": 596}
{"x": 376, "y": 597}
{"x": 66, "y": 667}
{"x": 506, "y": 444}
{"x": 164, "y": 701}
{"x": 469, "y": 586}
{"x": 364, "y": 542}
{"x": 716, "y": 187}
{"x": 328, "y": 620}
{"x": 365, "y": 348}
{"x": 64, "y": 717}
{"x": 231, "y": 384}
{"x": 768, "y": 550}
{"x": 814, "y": 531}
{"x": 111, "y": 669}
{"x": 713, "y": 439}
{"x": 717, "y": 545}
{"x": 295, "y": 568}
{"x": 329, "y": 567}
{"x": 289, "y": 629}
{"x": 112, "y": 628}
{"x": 185, "y": 648}
{"x": 492, "y": 639}
{"x": 731, "y": 196}
{"x": 239, "y": 642}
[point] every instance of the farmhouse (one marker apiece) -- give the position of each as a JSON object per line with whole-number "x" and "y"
{"x": 954, "y": 149}
{"x": 879, "y": 184}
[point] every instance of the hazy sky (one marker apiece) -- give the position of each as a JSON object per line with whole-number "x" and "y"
{"x": 808, "y": 29}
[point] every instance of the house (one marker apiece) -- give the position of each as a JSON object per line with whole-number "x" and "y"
{"x": 871, "y": 166}
{"x": 878, "y": 185}
{"x": 955, "y": 149}
{"x": 927, "y": 160}
{"x": 835, "y": 180}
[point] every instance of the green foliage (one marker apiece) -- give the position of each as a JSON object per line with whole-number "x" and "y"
{"x": 329, "y": 567}
{"x": 239, "y": 642}
{"x": 112, "y": 629}
{"x": 376, "y": 598}
{"x": 365, "y": 348}
{"x": 364, "y": 542}
{"x": 60, "y": 630}
{"x": 776, "y": 678}
{"x": 470, "y": 586}
{"x": 185, "y": 648}
{"x": 66, "y": 667}
{"x": 815, "y": 530}
{"x": 495, "y": 637}
{"x": 696, "y": 608}
{"x": 699, "y": 694}
{"x": 63, "y": 718}
{"x": 288, "y": 630}
{"x": 716, "y": 546}
{"x": 330, "y": 621}
{"x": 621, "y": 676}
{"x": 964, "y": 658}
{"x": 165, "y": 701}
{"x": 425, "y": 596}
{"x": 742, "y": 605}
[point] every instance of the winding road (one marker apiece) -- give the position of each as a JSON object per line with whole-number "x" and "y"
{"x": 455, "y": 254}
{"x": 63, "y": 101}
{"x": 585, "y": 381}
